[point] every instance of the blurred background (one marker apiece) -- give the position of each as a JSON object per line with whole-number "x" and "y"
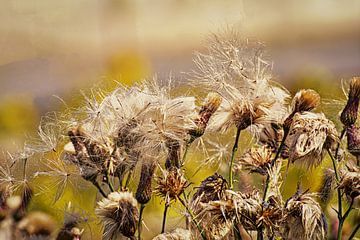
{"x": 57, "y": 48}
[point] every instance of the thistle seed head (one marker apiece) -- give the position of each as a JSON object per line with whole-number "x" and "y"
{"x": 309, "y": 137}
{"x": 349, "y": 114}
{"x": 255, "y": 160}
{"x": 119, "y": 215}
{"x": 303, "y": 218}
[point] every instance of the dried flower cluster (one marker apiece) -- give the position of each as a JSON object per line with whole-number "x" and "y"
{"x": 138, "y": 142}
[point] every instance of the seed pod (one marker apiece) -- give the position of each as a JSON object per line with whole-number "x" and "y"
{"x": 349, "y": 114}
{"x": 144, "y": 190}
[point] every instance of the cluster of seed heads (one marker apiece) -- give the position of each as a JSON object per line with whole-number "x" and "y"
{"x": 150, "y": 128}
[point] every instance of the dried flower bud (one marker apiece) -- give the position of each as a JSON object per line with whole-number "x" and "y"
{"x": 350, "y": 181}
{"x": 209, "y": 107}
{"x": 173, "y": 154}
{"x": 171, "y": 185}
{"x": 349, "y": 114}
{"x": 144, "y": 190}
{"x": 353, "y": 140}
{"x": 256, "y": 160}
{"x": 119, "y": 215}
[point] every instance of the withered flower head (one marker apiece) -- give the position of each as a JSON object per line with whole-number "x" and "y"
{"x": 177, "y": 234}
{"x": 255, "y": 160}
{"x": 353, "y": 140}
{"x": 303, "y": 218}
{"x": 144, "y": 189}
{"x": 171, "y": 184}
{"x": 173, "y": 153}
{"x": 119, "y": 215}
{"x": 309, "y": 137}
{"x": 349, "y": 114}
{"x": 209, "y": 107}
{"x": 211, "y": 189}
{"x": 350, "y": 181}
{"x": 305, "y": 100}
{"x": 270, "y": 135}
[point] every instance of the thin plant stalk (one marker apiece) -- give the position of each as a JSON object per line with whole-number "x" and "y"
{"x": 233, "y": 153}
{"x": 354, "y": 232}
{"x": 186, "y": 150}
{"x": 128, "y": 178}
{"x": 108, "y": 181}
{"x": 193, "y": 218}
{"x": 164, "y": 217}
{"x": 339, "y": 211}
{"x": 140, "y": 220}
{"x": 96, "y": 184}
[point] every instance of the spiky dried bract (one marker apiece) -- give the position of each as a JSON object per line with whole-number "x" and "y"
{"x": 171, "y": 185}
{"x": 349, "y": 114}
{"x": 119, "y": 214}
{"x": 257, "y": 159}
{"x": 177, "y": 234}
{"x": 311, "y": 134}
{"x": 305, "y": 100}
{"x": 144, "y": 189}
{"x": 353, "y": 140}
{"x": 303, "y": 218}
{"x": 350, "y": 181}
{"x": 208, "y": 108}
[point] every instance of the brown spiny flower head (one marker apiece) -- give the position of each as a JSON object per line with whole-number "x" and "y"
{"x": 119, "y": 215}
{"x": 350, "y": 181}
{"x": 349, "y": 114}
{"x": 177, "y": 234}
{"x": 70, "y": 229}
{"x": 144, "y": 189}
{"x": 257, "y": 159}
{"x": 211, "y": 189}
{"x": 208, "y": 108}
{"x": 303, "y": 218}
{"x": 311, "y": 134}
{"x": 304, "y": 100}
{"x": 353, "y": 140}
{"x": 37, "y": 224}
{"x": 327, "y": 186}
{"x": 171, "y": 185}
